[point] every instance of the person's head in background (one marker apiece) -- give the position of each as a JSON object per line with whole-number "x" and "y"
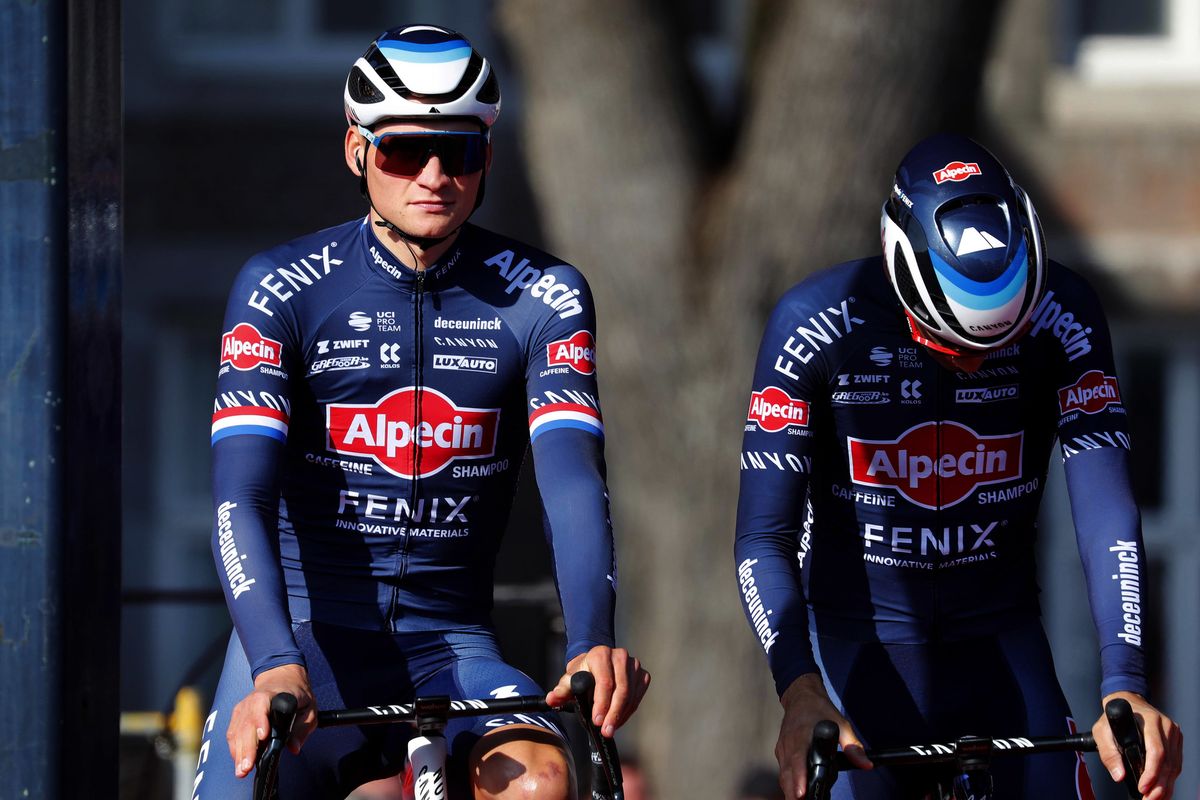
{"x": 759, "y": 783}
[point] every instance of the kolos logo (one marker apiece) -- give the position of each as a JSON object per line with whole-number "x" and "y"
{"x": 773, "y": 409}
{"x": 1091, "y": 394}
{"x": 385, "y": 431}
{"x": 936, "y": 465}
{"x": 245, "y": 348}
{"x": 956, "y": 171}
{"x": 577, "y": 352}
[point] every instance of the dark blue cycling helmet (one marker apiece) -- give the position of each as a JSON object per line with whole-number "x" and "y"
{"x": 963, "y": 246}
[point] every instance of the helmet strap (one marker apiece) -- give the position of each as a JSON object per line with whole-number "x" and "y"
{"x": 423, "y": 242}
{"x": 967, "y": 361}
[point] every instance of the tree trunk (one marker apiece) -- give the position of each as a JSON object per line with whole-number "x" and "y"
{"x": 686, "y": 258}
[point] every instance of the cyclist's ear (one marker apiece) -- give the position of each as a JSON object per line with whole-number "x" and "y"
{"x": 354, "y": 151}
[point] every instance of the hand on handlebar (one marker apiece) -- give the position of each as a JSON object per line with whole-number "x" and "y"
{"x": 248, "y": 724}
{"x": 1163, "y": 747}
{"x": 805, "y": 703}
{"x": 620, "y": 685}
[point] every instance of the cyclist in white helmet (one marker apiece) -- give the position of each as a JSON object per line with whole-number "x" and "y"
{"x": 380, "y": 383}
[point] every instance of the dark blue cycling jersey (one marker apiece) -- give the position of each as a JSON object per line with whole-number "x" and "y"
{"x": 895, "y": 500}
{"x": 369, "y": 425}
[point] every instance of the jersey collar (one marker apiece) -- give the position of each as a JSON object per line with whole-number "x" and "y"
{"x": 381, "y": 261}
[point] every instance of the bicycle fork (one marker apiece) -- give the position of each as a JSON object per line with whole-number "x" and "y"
{"x": 973, "y": 781}
{"x": 427, "y": 750}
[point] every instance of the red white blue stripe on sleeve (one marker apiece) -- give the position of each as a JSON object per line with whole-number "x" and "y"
{"x": 255, "y": 420}
{"x": 565, "y": 415}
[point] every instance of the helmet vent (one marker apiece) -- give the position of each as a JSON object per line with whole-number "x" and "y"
{"x": 490, "y": 93}
{"x": 908, "y": 290}
{"x": 384, "y": 70}
{"x": 361, "y": 88}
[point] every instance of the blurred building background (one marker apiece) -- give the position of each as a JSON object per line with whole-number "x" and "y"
{"x": 233, "y": 144}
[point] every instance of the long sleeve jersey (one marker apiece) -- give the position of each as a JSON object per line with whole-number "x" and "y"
{"x": 369, "y": 425}
{"x": 884, "y": 496}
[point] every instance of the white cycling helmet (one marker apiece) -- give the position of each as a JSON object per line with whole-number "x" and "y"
{"x": 418, "y": 70}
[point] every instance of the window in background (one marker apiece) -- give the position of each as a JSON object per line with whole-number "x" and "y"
{"x": 1148, "y": 42}
{"x": 291, "y": 37}
{"x": 1122, "y": 18}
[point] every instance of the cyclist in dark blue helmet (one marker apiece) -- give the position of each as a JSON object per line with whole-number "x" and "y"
{"x": 903, "y": 413}
{"x": 379, "y": 385}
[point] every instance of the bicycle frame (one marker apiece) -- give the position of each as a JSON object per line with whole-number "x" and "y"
{"x": 427, "y": 749}
{"x": 972, "y": 755}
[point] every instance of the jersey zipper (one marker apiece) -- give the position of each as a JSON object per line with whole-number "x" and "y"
{"x": 418, "y": 387}
{"x": 418, "y": 358}
{"x": 939, "y": 529}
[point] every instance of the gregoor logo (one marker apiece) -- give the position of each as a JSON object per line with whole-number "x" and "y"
{"x": 577, "y": 352}
{"x": 385, "y": 431}
{"x": 245, "y": 348}
{"x": 774, "y": 409}
{"x": 936, "y": 465}
{"x": 956, "y": 171}
{"x": 1091, "y": 394}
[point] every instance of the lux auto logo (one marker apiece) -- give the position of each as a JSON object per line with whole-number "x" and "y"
{"x": 936, "y": 465}
{"x": 386, "y": 431}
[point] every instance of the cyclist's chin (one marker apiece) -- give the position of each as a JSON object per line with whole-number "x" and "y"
{"x": 433, "y": 221}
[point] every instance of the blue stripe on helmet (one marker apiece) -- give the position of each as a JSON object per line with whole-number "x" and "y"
{"x": 437, "y": 51}
{"x": 982, "y": 295}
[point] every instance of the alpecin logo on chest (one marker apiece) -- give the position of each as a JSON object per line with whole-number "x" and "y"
{"x": 388, "y": 431}
{"x": 936, "y": 465}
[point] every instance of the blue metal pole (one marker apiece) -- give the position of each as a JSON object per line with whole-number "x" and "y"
{"x": 59, "y": 423}
{"x": 32, "y": 253}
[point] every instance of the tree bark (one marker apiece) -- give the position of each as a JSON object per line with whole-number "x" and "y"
{"x": 686, "y": 258}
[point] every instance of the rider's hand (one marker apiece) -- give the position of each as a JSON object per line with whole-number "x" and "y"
{"x": 248, "y": 725}
{"x": 620, "y": 685}
{"x": 804, "y": 705}
{"x": 1164, "y": 748}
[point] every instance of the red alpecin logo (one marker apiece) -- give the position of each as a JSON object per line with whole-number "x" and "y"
{"x": 774, "y": 409}
{"x": 1091, "y": 394}
{"x": 932, "y": 473}
{"x": 385, "y": 431}
{"x": 956, "y": 171}
{"x": 578, "y": 353}
{"x": 245, "y": 348}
